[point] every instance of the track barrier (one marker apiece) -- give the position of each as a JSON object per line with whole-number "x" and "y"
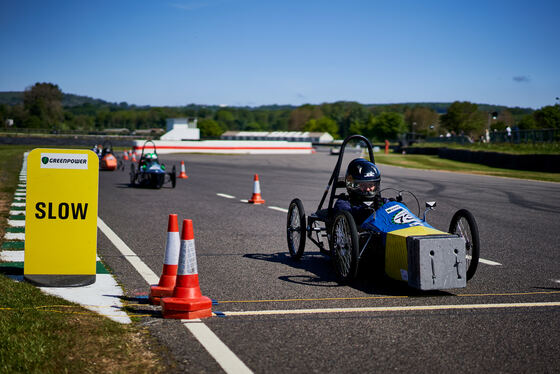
{"x": 187, "y": 301}
{"x": 170, "y": 262}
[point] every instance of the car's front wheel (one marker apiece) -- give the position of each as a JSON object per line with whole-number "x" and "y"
{"x": 464, "y": 225}
{"x": 345, "y": 246}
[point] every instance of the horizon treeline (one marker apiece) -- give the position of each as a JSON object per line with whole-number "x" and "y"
{"x": 45, "y": 106}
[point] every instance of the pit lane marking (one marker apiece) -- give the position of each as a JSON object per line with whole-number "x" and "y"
{"x": 225, "y": 195}
{"x": 384, "y": 309}
{"x": 210, "y": 341}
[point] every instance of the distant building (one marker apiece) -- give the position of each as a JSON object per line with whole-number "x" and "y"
{"x": 181, "y": 129}
{"x": 291, "y": 136}
{"x": 153, "y": 131}
{"x": 118, "y": 131}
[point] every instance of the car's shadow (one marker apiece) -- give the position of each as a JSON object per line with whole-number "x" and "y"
{"x": 128, "y": 185}
{"x": 371, "y": 278}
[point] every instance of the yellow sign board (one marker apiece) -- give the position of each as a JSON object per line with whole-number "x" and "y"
{"x": 61, "y": 217}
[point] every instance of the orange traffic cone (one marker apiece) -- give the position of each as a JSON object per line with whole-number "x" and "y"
{"x": 183, "y": 174}
{"x": 187, "y": 302}
{"x": 133, "y": 156}
{"x": 256, "y": 198}
{"x": 167, "y": 280}
{"x": 125, "y": 155}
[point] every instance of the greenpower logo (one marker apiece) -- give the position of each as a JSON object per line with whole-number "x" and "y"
{"x": 64, "y": 161}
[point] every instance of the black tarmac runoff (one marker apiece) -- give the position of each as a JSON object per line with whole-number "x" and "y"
{"x": 276, "y": 315}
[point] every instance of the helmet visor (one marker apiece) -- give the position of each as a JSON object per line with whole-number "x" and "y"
{"x": 368, "y": 186}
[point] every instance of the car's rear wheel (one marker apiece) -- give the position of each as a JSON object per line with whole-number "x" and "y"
{"x": 464, "y": 225}
{"x": 345, "y": 246}
{"x": 132, "y": 175}
{"x": 173, "y": 177}
{"x": 296, "y": 229}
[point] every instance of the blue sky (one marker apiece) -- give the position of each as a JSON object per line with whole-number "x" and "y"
{"x": 249, "y": 52}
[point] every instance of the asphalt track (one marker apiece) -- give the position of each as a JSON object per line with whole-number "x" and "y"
{"x": 285, "y": 316}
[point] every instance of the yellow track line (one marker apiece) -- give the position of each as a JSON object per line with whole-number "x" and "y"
{"x": 380, "y": 297}
{"x": 384, "y": 309}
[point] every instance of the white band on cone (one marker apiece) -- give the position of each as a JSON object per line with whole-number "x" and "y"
{"x": 257, "y": 187}
{"x": 187, "y": 258}
{"x": 172, "y": 249}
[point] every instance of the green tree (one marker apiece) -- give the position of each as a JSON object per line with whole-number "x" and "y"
{"x": 548, "y": 117}
{"x": 422, "y": 120}
{"x": 300, "y": 116}
{"x": 226, "y": 119}
{"x": 323, "y": 124}
{"x": 464, "y": 117}
{"x": 209, "y": 128}
{"x": 43, "y": 102}
{"x": 253, "y": 126}
{"x": 527, "y": 122}
{"x": 388, "y": 125}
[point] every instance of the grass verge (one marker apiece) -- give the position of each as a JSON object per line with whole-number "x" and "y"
{"x": 523, "y": 148}
{"x": 435, "y": 163}
{"x": 40, "y": 333}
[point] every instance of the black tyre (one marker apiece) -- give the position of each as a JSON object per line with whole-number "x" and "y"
{"x": 296, "y": 229}
{"x": 345, "y": 246}
{"x": 132, "y": 175}
{"x": 464, "y": 225}
{"x": 173, "y": 177}
{"x": 158, "y": 180}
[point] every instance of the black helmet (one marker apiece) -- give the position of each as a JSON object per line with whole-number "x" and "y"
{"x": 362, "y": 179}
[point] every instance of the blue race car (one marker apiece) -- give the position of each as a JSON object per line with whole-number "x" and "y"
{"x": 405, "y": 247}
{"x": 150, "y": 172}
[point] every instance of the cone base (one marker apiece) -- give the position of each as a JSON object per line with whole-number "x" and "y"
{"x": 183, "y": 176}
{"x": 182, "y": 308}
{"x": 175, "y": 314}
{"x": 158, "y": 292}
{"x": 256, "y": 199}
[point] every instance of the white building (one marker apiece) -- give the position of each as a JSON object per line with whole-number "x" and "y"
{"x": 291, "y": 136}
{"x": 181, "y": 129}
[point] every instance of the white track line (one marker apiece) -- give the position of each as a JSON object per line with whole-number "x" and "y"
{"x": 278, "y": 209}
{"x": 134, "y": 260}
{"x": 386, "y": 309}
{"x": 225, "y": 195}
{"x": 488, "y": 262}
{"x": 217, "y": 349}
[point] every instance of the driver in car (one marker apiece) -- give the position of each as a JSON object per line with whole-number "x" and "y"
{"x": 148, "y": 158}
{"x": 362, "y": 183}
